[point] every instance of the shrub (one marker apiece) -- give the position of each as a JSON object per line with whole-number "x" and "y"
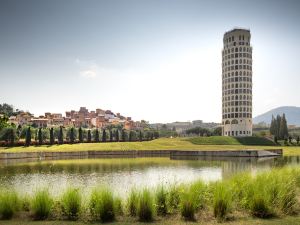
{"x": 41, "y": 204}
{"x": 71, "y": 203}
{"x": 102, "y": 205}
{"x": 9, "y": 203}
{"x": 145, "y": 208}
{"x": 132, "y": 201}
{"x": 161, "y": 201}
{"x": 221, "y": 201}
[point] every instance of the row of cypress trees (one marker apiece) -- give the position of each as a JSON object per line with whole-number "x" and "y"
{"x": 279, "y": 127}
{"x": 115, "y": 135}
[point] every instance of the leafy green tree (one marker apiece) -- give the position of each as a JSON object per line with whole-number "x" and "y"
{"x": 7, "y": 110}
{"x": 8, "y": 134}
{"x": 60, "y": 136}
{"x": 104, "y": 135}
{"x": 130, "y": 136}
{"x": 89, "y": 136}
{"x": 40, "y": 137}
{"x": 117, "y": 135}
{"x": 97, "y": 135}
{"x": 298, "y": 140}
{"x": 156, "y": 134}
{"x": 80, "y": 135}
{"x": 72, "y": 135}
{"x": 3, "y": 122}
{"x": 28, "y": 137}
{"x": 51, "y": 136}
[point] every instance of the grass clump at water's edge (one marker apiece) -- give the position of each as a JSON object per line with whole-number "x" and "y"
{"x": 102, "y": 205}
{"x": 71, "y": 203}
{"x": 41, "y": 204}
{"x": 145, "y": 210}
{"x": 9, "y": 203}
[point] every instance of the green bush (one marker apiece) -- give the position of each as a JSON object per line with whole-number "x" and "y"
{"x": 9, "y": 204}
{"x": 41, "y": 204}
{"x": 71, "y": 203}
{"x": 102, "y": 205}
{"x": 145, "y": 210}
{"x": 161, "y": 201}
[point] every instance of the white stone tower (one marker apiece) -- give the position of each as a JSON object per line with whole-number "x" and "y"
{"x": 237, "y": 83}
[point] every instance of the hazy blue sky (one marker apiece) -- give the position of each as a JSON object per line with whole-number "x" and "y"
{"x": 153, "y": 60}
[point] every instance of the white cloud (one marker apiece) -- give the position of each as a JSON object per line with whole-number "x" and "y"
{"x": 88, "y": 73}
{"x": 88, "y": 69}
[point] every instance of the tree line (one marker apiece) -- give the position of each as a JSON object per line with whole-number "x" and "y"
{"x": 279, "y": 128}
{"x": 59, "y": 135}
{"x": 200, "y": 131}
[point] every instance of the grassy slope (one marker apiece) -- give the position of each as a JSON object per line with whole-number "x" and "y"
{"x": 216, "y": 140}
{"x": 159, "y": 144}
{"x": 290, "y": 220}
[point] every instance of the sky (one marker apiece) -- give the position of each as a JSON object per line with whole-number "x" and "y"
{"x": 158, "y": 60}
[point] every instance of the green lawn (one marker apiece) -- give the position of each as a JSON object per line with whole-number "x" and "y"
{"x": 201, "y": 143}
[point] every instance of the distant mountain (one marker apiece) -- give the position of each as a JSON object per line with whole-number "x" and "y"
{"x": 292, "y": 114}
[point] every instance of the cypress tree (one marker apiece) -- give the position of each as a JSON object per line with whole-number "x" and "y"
{"x": 28, "y": 137}
{"x": 60, "y": 136}
{"x": 298, "y": 140}
{"x": 130, "y": 136}
{"x": 80, "y": 135}
{"x": 72, "y": 135}
{"x": 290, "y": 139}
{"x": 97, "y": 135}
{"x": 51, "y": 136}
{"x": 89, "y": 136}
{"x": 104, "y": 135}
{"x": 123, "y": 134}
{"x": 117, "y": 135}
{"x": 140, "y": 136}
{"x": 275, "y": 139}
{"x": 283, "y": 130}
{"x": 277, "y": 126}
{"x": 40, "y": 137}
{"x": 111, "y": 137}
{"x": 272, "y": 127}
{"x": 12, "y": 136}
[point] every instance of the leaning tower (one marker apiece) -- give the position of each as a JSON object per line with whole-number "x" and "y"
{"x": 237, "y": 83}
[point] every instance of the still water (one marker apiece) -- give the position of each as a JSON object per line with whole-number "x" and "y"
{"x": 123, "y": 174}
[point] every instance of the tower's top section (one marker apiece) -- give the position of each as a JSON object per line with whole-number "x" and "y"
{"x": 237, "y": 35}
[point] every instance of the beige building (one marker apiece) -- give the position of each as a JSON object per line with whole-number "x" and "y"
{"x": 237, "y": 83}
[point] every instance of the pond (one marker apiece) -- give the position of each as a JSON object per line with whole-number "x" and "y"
{"x": 122, "y": 174}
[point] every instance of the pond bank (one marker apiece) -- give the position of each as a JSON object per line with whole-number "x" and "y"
{"x": 140, "y": 153}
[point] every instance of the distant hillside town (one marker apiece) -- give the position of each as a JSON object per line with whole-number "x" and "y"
{"x": 82, "y": 118}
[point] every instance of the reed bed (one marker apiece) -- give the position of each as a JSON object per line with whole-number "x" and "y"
{"x": 263, "y": 195}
